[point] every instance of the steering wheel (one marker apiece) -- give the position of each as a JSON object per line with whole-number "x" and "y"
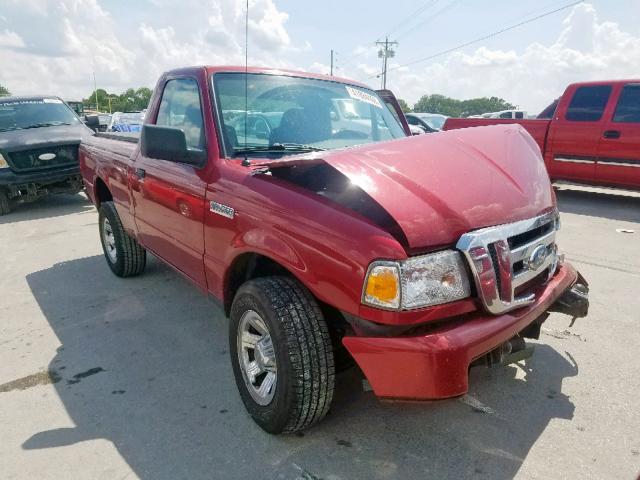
{"x": 261, "y": 128}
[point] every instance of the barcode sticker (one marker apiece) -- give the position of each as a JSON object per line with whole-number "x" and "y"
{"x": 363, "y": 96}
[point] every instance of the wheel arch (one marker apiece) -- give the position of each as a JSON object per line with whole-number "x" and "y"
{"x": 249, "y": 265}
{"x": 101, "y": 192}
{"x": 252, "y": 264}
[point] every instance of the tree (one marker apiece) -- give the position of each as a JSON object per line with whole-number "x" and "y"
{"x": 4, "y": 91}
{"x": 437, "y": 103}
{"x": 478, "y": 106}
{"x": 404, "y": 106}
{"x": 452, "y": 107}
{"x": 128, "y": 101}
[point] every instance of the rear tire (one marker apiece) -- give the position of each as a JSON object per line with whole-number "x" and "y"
{"x": 125, "y": 256}
{"x": 5, "y": 205}
{"x": 300, "y": 348}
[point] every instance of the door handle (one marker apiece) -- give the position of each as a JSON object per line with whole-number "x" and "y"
{"x": 140, "y": 173}
{"x": 611, "y": 134}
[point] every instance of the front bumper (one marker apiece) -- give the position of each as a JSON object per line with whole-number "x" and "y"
{"x": 9, "y": 178}
{"x": 29, "y": 186}
{"x": 436, "y": 365}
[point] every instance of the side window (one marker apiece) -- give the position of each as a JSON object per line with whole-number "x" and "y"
{"x": 588, "y": 103}
{"x": 505, "y": 115}
{"x": 628, "y": 108}
{"x": 413, "y": 121}
{"x": 180, "y": 107}
{"x": 519, "y": 114}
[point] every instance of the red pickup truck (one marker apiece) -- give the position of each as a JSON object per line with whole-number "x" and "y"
{"x": 589, "y": 135}
{"x": 329, "y": 236}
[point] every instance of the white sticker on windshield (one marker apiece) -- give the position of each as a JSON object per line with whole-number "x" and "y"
{"x": 51, "y": 100}
{"x": 363, "y": 96}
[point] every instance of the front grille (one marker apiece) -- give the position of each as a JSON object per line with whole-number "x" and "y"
{"x": 509, "y": 261}
{"x": 40, "y": 158}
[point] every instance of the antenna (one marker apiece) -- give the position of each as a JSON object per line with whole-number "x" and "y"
{"x": 246, "y": 162}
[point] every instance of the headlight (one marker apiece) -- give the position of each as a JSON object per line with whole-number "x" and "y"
{"x": 3, "y": 162}
{"x": 416, "y": 282}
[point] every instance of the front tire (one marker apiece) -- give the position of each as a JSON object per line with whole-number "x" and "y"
{"x": 125, "y": 256}
{"x": 281, "y": 354}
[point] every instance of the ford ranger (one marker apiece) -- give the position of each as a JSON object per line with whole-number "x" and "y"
{"x": 39, "y": 138}
{"x": 589, "y": 135}
{"x": 327, "y": 241}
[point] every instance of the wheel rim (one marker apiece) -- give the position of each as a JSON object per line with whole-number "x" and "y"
{"x": 109, "y": 241}
{"x": 257, "y": 358}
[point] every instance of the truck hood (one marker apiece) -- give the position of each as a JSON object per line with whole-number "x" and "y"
{"x": 439, "y": 186}
{"x": 42, "y": 137}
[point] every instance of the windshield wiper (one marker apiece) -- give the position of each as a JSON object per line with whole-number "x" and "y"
{"x": 46, "y": 124}
{"x": 278, "y": 148}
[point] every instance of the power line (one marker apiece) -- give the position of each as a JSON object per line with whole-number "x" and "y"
{"x": 429, "y": 19}
{"x": 349, "y": 60}
{"x": 411, "y": 16}
{"x": 484, "y": 37}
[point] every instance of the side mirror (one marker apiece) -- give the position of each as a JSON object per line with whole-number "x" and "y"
{"x": 92, "y": 121}
{"x": 169, "y": 143}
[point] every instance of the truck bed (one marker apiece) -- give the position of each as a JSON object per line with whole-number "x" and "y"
{"x": 537, "y": 128}
{"x": 123, "y": 144}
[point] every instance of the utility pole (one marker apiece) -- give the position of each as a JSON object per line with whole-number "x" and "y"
{"x": 95, "y": 89}
{"x": 331, "y": 62}
{"x": 386, "y": 51}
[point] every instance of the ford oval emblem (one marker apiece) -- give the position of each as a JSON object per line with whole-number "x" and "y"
{"x": 47, "y": 156}
{"x": 537, "y": 257}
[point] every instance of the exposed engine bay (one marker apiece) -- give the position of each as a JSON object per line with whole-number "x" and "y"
{"x": 328, "y": 182}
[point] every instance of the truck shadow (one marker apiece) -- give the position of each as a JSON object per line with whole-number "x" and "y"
{"x": 144, "y": 364}
{"x": 47, "y": 207}
{"x": 613, "y": 206}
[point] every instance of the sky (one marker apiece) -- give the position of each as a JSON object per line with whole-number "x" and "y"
{"x": 56, "y": 46}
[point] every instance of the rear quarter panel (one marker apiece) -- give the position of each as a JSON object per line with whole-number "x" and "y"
{"x": 109, "y": 161}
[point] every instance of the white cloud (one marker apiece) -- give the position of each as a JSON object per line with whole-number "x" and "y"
{"x": 586, "y": 49}
{"x": 9, "y": 39}
{"x": 55, "y": 46}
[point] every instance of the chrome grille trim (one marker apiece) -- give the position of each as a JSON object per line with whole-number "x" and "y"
{"x": 495, "y": 276}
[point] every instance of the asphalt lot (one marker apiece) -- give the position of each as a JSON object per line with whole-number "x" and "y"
{"x": 107, "y": 378}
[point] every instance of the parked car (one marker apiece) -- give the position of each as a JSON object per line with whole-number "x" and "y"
{"x": 39, "y": 138}
{"x": 418, "y": 256}
{"x": 125, "y": 122}
{"x": 519, "y": 114}
{"x": 428, "y": 122}
{"x": 590, "y": 135}
{"x": 76, "y": 106}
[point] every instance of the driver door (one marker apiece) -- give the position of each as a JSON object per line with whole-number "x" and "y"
{"x": 169, "y": 197}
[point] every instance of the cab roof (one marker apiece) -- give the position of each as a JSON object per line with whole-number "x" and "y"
{"x": 212, "y": 69}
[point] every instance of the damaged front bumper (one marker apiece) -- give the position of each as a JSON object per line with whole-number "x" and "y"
{"x": 27, "y": 186}
{"x": 436, "y": 365}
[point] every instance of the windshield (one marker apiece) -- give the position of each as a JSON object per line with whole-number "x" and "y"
{"x": 129, "y": 118}
{"x": 34, "y": 113}
{"x": 291, "y": 114}
{"x": 434, "y": 121}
